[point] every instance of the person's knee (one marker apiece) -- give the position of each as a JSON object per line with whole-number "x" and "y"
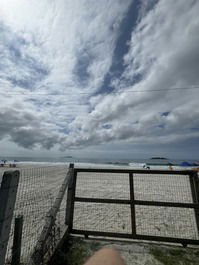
{"x": 105, "y": 256}
{"x": 109, "y": 252}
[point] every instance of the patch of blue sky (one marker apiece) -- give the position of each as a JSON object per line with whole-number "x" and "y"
{"x": 161, "y": 126}
{"x": 36, "y": 73}
{"x": 107, "y": 126}
{"x": 31, "y": 71}
{"x": 127, "y": 26}
{"x": 64, "y": 130}
{"x": 121, "y": 48}
{"x": 147, "y": 6}
{"x": 36, "y": 102}
{"x": 165, "y": 114}
{"x": 15, "y": 51}
{"x": 136, "y": 78}
{"x": 136, "y": 122}
{"x": 11, "y": 42}
{"x": 24, "y": 83}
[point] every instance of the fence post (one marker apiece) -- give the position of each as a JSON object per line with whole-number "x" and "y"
{"x": 69, "y": 198}
{"x": 133, "y": 218}
{"x": 194, "y": 183}
{"x": 8, "y": 193}
{"x": 16, "y": 250}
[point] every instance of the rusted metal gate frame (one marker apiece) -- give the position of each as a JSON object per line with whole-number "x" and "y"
{"x": 194, "y": 184}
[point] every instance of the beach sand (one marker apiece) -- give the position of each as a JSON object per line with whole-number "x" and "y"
{"x": 39, "y": 187}
{"x": 150, "y": 220}
{"x": 37, "y": 190}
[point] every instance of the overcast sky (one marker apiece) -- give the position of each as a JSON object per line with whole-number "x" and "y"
{"x": 107, "y": 78}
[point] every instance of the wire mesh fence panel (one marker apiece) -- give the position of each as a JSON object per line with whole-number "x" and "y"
{"x": 37, "y": 190}
{"x": 101, "y": 185}
{"x": 102, "y": 217}
{"x": 160, "y": 205}
{"x": 166, "y": 222}
{"x": 157, "y": 187}
{"x": 60, "y": 218}
{"x": 32, "y": 202}
{"x": 59, "y": 227}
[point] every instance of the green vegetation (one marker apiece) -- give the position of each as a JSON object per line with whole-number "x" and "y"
{"x": 75, "y": 251}
{"x": 177, "y": 252}
{"x": 174, "y": 256}
{"x": 76, "y": 256}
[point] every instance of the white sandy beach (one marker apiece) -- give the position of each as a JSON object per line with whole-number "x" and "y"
{"x": 38, "y": 188}
{"x": 150, "y": 220}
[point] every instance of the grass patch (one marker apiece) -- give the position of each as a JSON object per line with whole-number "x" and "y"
{"x": 164, "y": 258}
{"x": 72, "y": 253}
{"x": 76, "y": 256}
{"x": 177, "y": 252}
{"x": 174, "y": 256}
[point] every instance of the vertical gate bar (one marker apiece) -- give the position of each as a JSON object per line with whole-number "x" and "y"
{"x": 69, "y": 195}
{"x": 195, "y": 194}
{"x": 16, "y": 250}
{"x": 133, "y": 217}
{"x": 72, "y": 204}
{"x": 196, "y": 184}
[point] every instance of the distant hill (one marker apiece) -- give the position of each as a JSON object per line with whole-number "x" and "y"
{"x": 162, "y": 158}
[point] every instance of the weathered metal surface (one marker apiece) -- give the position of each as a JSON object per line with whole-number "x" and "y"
{"x": 16, "y": 250}
{"x": 8, "y": 193}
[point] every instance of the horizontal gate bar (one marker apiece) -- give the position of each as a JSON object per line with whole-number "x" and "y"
{"x": 167, "y": 204}
{"x": 80, "y": 199}
{"x": 139, "y": 202}
{"x": 138, "y": 171}
{"x": 142, "y": 237}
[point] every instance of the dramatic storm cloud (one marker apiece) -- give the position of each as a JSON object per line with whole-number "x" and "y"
{"x": 77, "y": 74}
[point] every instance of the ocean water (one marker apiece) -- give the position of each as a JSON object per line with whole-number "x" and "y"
{"x": 107, "y": 162}
{"x": 66, "y": 160}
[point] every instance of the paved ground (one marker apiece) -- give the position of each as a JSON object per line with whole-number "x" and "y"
{"x": 77, "y": 250}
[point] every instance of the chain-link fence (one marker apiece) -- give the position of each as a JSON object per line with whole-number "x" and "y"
{"x": 37, "y": 191}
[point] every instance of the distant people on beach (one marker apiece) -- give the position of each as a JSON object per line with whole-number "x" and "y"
{"x": 12, "y": 164}
{"x": 3, "y": 163}
{"x": 146, "y": 167}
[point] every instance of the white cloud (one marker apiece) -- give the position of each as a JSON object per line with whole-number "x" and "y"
{"x": 164, "y": 50}
{"x": 67, "y": 48}
{"x": 42, "y": 44}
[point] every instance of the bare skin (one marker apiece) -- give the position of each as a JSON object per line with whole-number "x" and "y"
{"x": 105, "y": 256}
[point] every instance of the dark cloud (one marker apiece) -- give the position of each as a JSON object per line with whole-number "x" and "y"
{"x": 31, "y": 137}
{"x": 25, "y": 129}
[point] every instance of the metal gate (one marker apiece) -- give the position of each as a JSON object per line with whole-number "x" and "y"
{"x": 155, "y": 205}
